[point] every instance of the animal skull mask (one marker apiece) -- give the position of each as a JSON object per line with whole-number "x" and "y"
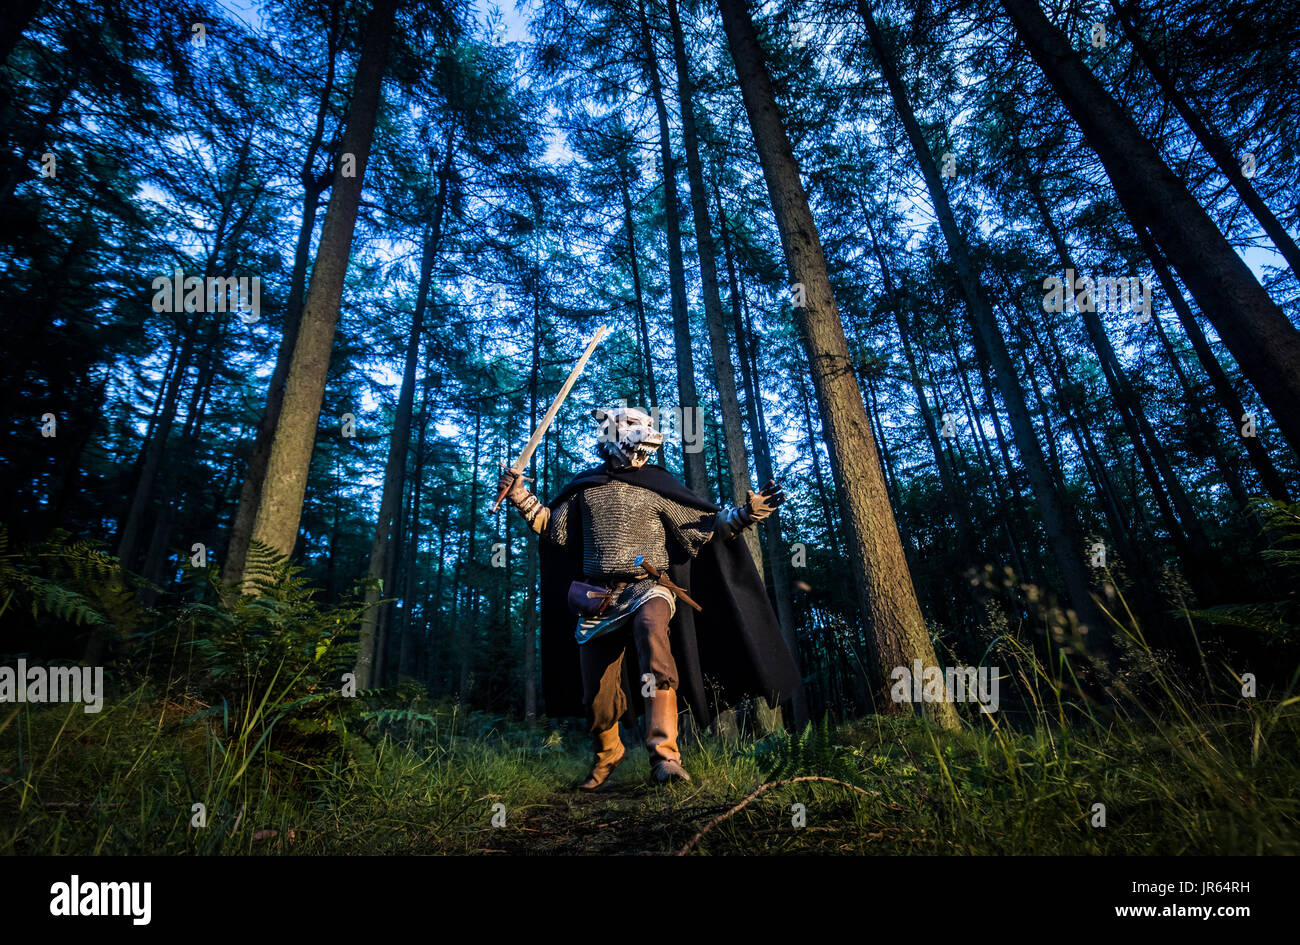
{"x": 627, "y": 436}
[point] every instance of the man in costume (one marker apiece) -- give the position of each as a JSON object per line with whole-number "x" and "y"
{"x": 634, "y": 555}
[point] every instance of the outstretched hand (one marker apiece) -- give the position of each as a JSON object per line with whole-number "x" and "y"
{"x": 760, "y": 504}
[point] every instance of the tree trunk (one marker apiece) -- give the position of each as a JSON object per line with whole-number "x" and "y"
{"x": 467, "y": 630}
{"x": 897, "y": 631}
{"x": 778, "y": 563}
{"x": 1212, "y": 443}
{"x": 1028, "y": 571}
{"x": 733, "y": 435}
{"x": 1183, "y": 521}
{"x": 951, "y": 491}
{"x": 370, "y": 652}
{"x": 819, "y": 477}
{"x": 1259, "y": 335}
{"x": 1215, "y": 146}
{"x": 410, "y": 650}
{"x": 887, "y": 461}
{"x": 643, "y": 328}
{"x": 285, "y": 484}
{"x": 433, "y": 662}
{"x": 1224, "y": 389}
{"x": 250, "y": 493}
{"x": 531, "y": 614}
{"x": 693, "y": 464}
{"x": 1062, "y": 534}
{"x": 129, "y": 533}
{"x": 1001, "y": 478}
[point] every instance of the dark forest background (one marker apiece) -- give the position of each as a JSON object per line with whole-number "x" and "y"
{"x": 520, "y": 179}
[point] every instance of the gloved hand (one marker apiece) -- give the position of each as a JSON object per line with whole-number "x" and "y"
{"x": 759, "y": 505}
{"x": 514, "y": 483}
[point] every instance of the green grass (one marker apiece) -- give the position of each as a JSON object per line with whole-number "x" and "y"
{"x": 124, "y": 782}
{"x": 238, "y": 710}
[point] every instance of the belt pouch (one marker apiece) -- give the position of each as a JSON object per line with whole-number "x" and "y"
{"x": 589, "y": 600}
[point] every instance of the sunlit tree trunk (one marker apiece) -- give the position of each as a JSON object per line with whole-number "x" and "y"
{"x": 897, "y": 633}
{"x": 280, "y": 507}
{"x": 314, "y": 186}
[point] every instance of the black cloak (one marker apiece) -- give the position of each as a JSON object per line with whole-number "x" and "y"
{"x": 732, "y": 649}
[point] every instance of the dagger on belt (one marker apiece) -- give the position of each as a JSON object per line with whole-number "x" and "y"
{"x": 666, "y": 581}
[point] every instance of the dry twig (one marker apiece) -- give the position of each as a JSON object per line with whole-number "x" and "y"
{"x": 762, "y": 788}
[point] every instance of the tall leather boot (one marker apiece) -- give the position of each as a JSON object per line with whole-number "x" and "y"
{"x": 609, "y": 752}
{"x": 661, "y": 737}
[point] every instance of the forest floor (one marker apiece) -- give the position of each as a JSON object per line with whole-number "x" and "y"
{"x": 631, "y": 816}
{"x": 443, "y": 781}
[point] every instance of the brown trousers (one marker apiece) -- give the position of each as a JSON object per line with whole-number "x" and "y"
{"x": 602, "y": 662}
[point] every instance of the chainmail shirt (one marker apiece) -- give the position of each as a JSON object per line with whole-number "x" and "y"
{"x": 620, "y": 521}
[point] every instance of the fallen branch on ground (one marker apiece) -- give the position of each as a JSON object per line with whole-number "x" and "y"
{"x": 762, "y": 788}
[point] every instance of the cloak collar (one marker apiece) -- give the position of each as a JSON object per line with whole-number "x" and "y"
{"x": 650, "y": 476}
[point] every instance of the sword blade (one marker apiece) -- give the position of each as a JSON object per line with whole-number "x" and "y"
{"x": 540, "y": 431}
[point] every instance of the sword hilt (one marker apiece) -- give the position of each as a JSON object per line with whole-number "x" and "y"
{"x": 500, "y": 498}
{"x": 504, "y": 492}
